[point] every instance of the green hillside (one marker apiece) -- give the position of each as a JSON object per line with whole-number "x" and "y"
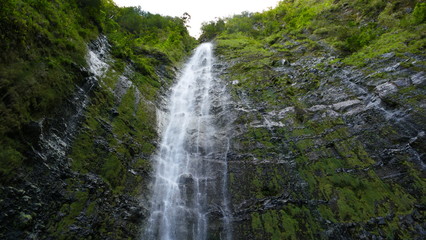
{"x": 86, "y": 184}
{"x": 327, "y": 97}
{"x": 332, "y": 118}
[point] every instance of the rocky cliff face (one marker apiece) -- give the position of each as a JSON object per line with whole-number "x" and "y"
{"x": 88, "y": 163}
{"x": 329, "y": 138}
{"x": 80, "y": 91}
{"x": 327, "y": 118}
{"x": 322, "y": 149}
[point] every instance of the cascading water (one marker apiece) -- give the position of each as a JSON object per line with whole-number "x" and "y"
{"x": 189, "y": 193}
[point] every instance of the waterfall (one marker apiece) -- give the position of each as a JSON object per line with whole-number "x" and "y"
{"x": 189, "y": 192}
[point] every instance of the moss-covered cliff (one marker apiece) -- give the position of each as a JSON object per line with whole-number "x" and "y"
{"x": 80, "y": 85}
{"x": 329, "y": 99}
{"x": 329, "y": 142}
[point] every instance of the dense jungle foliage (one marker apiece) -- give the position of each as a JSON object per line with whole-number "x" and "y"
{"x": 87, "y": 186}
{"x": 309, "y": 76}
{"x": 359, "y": 30}
{"x": 329, "y": 133}
{"x": 43, "y": 46}
{"x": 354, "y": 32}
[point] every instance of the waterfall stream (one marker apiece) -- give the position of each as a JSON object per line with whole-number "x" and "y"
{"x": 189, "y": 192}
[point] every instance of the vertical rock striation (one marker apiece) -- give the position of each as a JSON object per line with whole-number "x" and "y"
{"x": 322, "y": 150}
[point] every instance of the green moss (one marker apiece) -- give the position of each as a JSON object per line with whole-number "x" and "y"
{"x": 71, "y": 211}
{"x": 359, "y": 199}
{"x": 257, "y": 184}
{"x": 40, "y": 47}
{"x": 419, "y": 13}
{"x": 91, "y": 209}
{"x": 290, "y": 226}
{"x": 44, "y": 48}
{"x": 337, "y": 134}
{"x": 143, "y": 164}
{"x": 113, "y": 172}
{"x": 10, "y": 160}
{"x": 419, "y": 182}
{"x": 231, "y": 178}
{"x": 388, "y": 42}
{"x": 304, "y": 144}
{"x": 301, "y": 132}
{"x": 82, "y": 152}
{"x": 346, "y": 204}
{"x": 293, "y": 222}
{"x": 272, "y": 224}
{"x": 345, "y": 25}
{"x": 326, "y": 213}
{"x": 353, "y": 152}
{"x": 256, "y": 223}
{"x": 333, "y": 161}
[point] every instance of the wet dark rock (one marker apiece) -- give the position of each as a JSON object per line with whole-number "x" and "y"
{"x": 280, "y": 150}
{"x": 32, "y": 131}
{"x": 385, "y": 89}
{"x": 419, "y": 141}
{"x": 419, "y": 79}
{"x": 381, "y": 221}
{"x": 105, "y": 125}
{"x": 114, "y": 112}
{"x": 402, "y": 82}
{"x": 48, "y": 199}
{"x": 388, "y": 55}
{"x": 281, "y": 63}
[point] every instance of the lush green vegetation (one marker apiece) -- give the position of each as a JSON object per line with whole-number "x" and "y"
{"x": 142, "y": 32}
{"x": 359, "y": 30}
{"x": 44, "y": 46}
{"x": 270, "y": 59}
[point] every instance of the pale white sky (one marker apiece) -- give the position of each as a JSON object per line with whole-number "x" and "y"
{"x": 200, "y": 10}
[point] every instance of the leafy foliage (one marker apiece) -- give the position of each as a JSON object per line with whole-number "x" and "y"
{"x": 279, "y": 61}
{"x": 137, "y": 32}
{"x": 348, "y": 26}
{"x": 42, "y": 59}
{"x": 212, "y": 29}
{"x": 44, "y": 49}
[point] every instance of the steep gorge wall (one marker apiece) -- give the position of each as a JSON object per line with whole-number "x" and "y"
{"x": 81, "y": 90}
{"x": 338, "y": 161}
{"x": 329, "y": 141}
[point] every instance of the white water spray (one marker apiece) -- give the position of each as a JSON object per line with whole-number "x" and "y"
{"x": 189, "y": 193}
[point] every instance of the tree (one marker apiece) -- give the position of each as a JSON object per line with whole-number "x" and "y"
{"x": 186, "y": 18}
{"x": 211, "y": 29}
